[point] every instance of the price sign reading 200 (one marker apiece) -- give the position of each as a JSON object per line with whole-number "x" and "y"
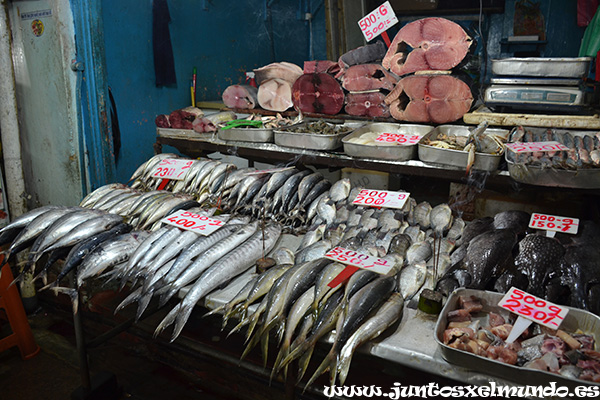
{"x": 381, "y": 198}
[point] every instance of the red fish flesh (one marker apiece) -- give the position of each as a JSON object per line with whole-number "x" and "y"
{"x": 437, "y": 44}
{"x": 369, "y": 104}
{"x": 318, "y": 93}
{"x": 240, "y": 96}
{"x": 312, "y": 67}
{"x": 275, "y": 95}
{"x": 429, "y": 98}
{"x": 368, "y": 77}
{"x": 282, "y": 70}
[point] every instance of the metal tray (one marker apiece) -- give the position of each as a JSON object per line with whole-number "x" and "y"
{"x": 259, "y": 135}
{"x": 397, "y": 152}
{"x": 576, "y": 319}
{"x": 458, "y": 158}
{"x": 546, "y": 67}
{"x": 312, "y": 141}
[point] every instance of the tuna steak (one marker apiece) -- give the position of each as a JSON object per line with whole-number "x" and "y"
{"x": 240, "y": 96}
{"x": 437, "y": 44}
{"x": 429, "y": 98}
{"x": 361, "y": 55}
{"x": 368, "y": 77}
{"x": 369, "y": 104}
{"x": 275, "y": 95}
{"x": 330, "y": 67}
{"x": 318, "y": 93}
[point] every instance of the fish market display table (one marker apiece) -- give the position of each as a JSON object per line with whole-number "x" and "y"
{"x": 193, "y": 144}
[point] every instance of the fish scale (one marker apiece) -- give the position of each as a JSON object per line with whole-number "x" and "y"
{"x": 537, "y": 256}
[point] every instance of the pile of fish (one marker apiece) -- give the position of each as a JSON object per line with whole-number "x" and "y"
{"x": 287, "y": 194}
{"x": 500, "y": 252}
{"x": 193, "y": 118}
{"x": 571, "y": 355}
{"x": 584, "y": 149}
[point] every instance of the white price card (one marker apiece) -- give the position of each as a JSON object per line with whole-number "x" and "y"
{"x": 359, "y": 260}
{"x": 378, "y": 21}
{"x": 398, "y": 138}
{"x": 534, "y": 147}
{"x": 381, "y": 198}
{"x": 193, "y": 222}
{"x": 533, "y": 308}
{"x": 554, "y": 223}
{"x": 172, "y": 168}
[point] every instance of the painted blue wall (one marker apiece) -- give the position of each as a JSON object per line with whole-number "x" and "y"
{"x": 222, "y": 39}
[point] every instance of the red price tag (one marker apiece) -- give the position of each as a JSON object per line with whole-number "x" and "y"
{"x": 554, "y": 223}
{"x": 533, "y": 308}
{"x": 351, "y": 257}
{"x": 172, "y": 168}
{"x": 531, "y": 147}
{"x": 378, "y": 21}
{"x": 398, "y": 138}
{"x": 381, "y": 198}
{"x": 193, "y": 222}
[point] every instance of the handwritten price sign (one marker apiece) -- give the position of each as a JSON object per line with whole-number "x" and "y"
{"x": 359, "y": 260}
{"x": 193, "y": 222}
{"x": 381, "y": 198}
{"x": 532, "y": 147}
{"x": 171, "y": 168}
{"x": 554, "y": 223}
{"x": 398, "y": 138}
{"x": 378, "y": 21}
{"x": 533, "y": 308}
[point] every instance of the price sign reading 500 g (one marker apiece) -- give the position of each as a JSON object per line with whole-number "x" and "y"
{"x": 381, "y": 198}
{"x": 172, "y": 168}
{"x": 193, "y": 222}
{"x": 399, "y": 138}
{"x": 533, "y": 308}
{"x": 378, "y": 21}
{"x": 554, "y": 223}
{"x": 360, "y": 260}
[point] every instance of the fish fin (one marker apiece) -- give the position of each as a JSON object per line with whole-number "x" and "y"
{"x": 72, "y": 293}
{"x": 295, "y": 353}
{"x": 214, "y": 311}
{"x": 133, "y": 296}
{"x": 18, "y": 279}
{"x": 49, "y": 286}
{"x": 168, "y": 320}
{"x": 182, "y": 317}
{"x": 143, "y": 304}
{"x": 239, "y": 326}
{"x": 343, "y": 365}
{"x": 253, "y": 342}
{"x": 283, "y": 351}
{"x": 264, "y": 343}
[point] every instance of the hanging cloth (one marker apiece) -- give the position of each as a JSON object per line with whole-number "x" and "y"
{"x": 164, "y": 64}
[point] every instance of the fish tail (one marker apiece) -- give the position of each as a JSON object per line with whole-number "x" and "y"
{"x": 283, "y": 352}
{"x": 142, "y": 305}
{"x": 295, "y": 353}
{"x": 238, "y": 326}
{"x": 133, "y": 296}
{"x": 327, "y": 364}
{"x": 214, "y": 311}
{"x": 264, "y": 343}
{"x": 50, "y": 286}
{"x": 253, "y": 342}
{"x": 343, "y": 365}
{"x": 18, "y": 279}
{"x": 182, "y": 318}
{"x": 165, "y": 297}
{"x": 304, "y": 361}
{"x": 72, "y": 293}
{"x": 168, "y": 320}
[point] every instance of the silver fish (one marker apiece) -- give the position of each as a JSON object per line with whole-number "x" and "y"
{"x": 419, "y": 251}
{"x": 312, "y": 236}
{"x": 441, "y": 218}
{"x": 228, "y": 267}
{"x": 340, "y": 190}
{"x": 422, "y": 214}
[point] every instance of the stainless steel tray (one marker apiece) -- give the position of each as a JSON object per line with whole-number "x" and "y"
{"x": 459, "y": 158}
{"x": 576, "y": 319}
{"x": 546, "y": 67}
{"x": 535, "y": 81}
{"x": 396, "y": 152}
{"x": 314, "y": 141}
{"x": 259, "y": 135}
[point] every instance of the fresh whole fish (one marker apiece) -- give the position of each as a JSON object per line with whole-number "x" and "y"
{"x": 537, "y": 255}
{"x": 233, "y": 264}
{"x": 441, "y": 218}
{"x": 488, "y": 254}
{"x": 340, "y": 190}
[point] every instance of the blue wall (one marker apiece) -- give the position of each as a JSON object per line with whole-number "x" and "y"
{"x": 222, "y": 39}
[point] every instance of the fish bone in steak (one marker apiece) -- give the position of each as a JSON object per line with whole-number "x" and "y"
{"x": 240, "y": 96}
{"x": 437, "y": 44}
{"x": 318, "y": 93}
{"x": 430, "y": 98}
{"x": 368, "y": 77}
{"x": 369, "y": 104}
{"x": 275, "y": 95}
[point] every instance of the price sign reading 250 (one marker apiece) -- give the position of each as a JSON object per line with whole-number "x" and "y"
{"x": 351, "y": 257}
{"x": 381, "y": 198}
{"x": 172, "y": 168}
{"x": 533, "y": 308}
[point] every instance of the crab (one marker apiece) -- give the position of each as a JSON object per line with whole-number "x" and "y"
{"x": 480, "y": 142}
